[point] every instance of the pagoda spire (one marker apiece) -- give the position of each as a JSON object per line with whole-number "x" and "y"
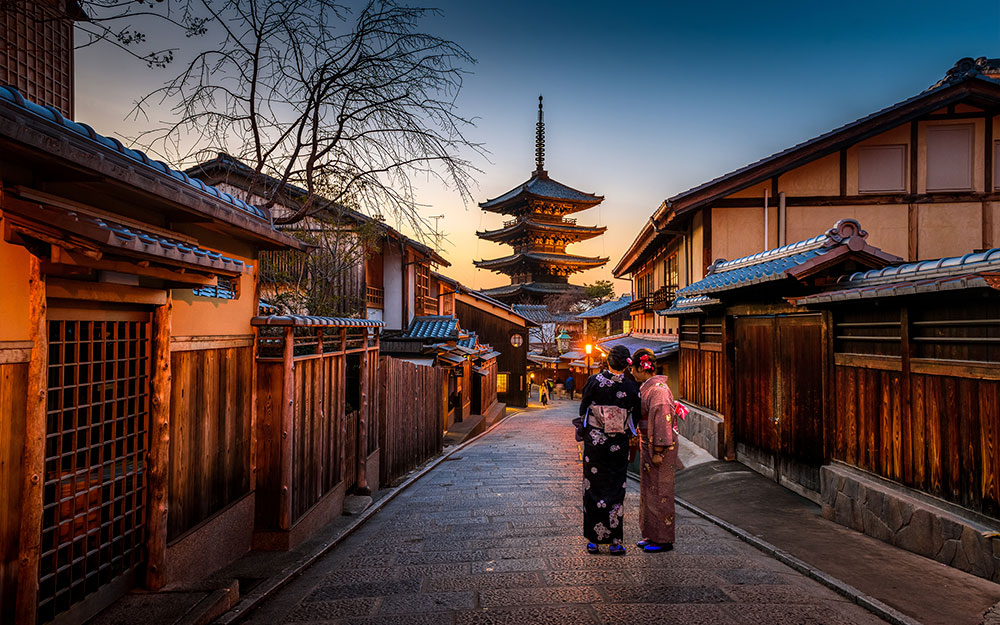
{"x": 540, "y": 142}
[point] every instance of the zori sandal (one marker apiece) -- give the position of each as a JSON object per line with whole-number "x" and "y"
{"x": 642, "y": 543}
{"x": 593, "y": 549}
{"x": 617, "y": 550}
{"x": 657, "y": 547}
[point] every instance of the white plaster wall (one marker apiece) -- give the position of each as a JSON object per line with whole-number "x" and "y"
{"x": 392, "y": 279}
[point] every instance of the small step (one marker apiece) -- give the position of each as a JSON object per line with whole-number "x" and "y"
{"x": 356, "y": 504}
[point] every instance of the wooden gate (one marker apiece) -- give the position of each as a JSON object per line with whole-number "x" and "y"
{"x": 780, "y": 383}
{"x": 93, "y": 517}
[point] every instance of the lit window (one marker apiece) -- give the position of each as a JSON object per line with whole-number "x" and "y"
{"x": 949, "y": 157}
{"x": 626, "y": 326}
{"x": 882, "y": 168}
{"x": 502, "y": 382}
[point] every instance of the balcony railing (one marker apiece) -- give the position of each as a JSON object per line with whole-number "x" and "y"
{"x": 568, "y": 221}
{"x": 663, "y": 297}
{"x": 375, "y": 296}
{"x": 428, "y": 305}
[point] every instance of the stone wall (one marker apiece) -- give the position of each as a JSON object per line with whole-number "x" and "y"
{"x": 704, "y": 430}
{"x": 906, "y": 519}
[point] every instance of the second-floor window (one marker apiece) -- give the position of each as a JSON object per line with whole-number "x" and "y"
{"x": 670, "y": 275}
{"x": 949, "y": 157}
{"x": 423, "y": 288}
{"x": 882, "y": 168}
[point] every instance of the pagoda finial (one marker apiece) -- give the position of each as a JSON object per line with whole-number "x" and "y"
{"x": 540, "y": 141}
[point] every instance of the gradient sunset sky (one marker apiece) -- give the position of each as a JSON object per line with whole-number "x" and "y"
{"x": 642, "y": 100}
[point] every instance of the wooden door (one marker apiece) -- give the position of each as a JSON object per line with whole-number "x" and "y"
{"x": 753, "y": 404}
{"x": 94, "y": 497}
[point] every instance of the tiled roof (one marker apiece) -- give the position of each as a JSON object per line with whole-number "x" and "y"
{"x": 433, "y": 327}
{"x": 544, "y": 187}
{"x": 573, "y": 355}
{"x": 309, "y": 320}
{"x": 542, "y": 360}
{"x": 540, "y": 257}
{"x": 689, "y": 305}
{"x": 659, "y": 348}
{"x": 607, "y": 308}
{"x": 578, "y": 232}
{"x": 540, "y": 313}
{"x": 488, "y": 355}
{"x": 13, "y": 96}
{"x": 929, "y": 276}
{"x": 539, "y": 288}
{"x": 776, "y": 264}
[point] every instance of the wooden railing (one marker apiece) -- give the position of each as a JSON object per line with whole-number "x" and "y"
{"x": 663, "y": 297}
{"x": 375, "y": 296}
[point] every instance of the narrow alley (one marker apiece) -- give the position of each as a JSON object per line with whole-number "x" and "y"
{"x": 491, "y": 536}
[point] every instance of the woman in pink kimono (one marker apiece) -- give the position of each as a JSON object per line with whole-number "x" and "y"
{"x": 657, "y": 454}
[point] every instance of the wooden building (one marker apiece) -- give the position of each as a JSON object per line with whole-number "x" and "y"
{"x": 897, "y": 171}
{"x": 615, "y": 317}
{"x": 126, "y": 368}
{"x": 382, "y": 275}
{"x": 866, "y": 385}
{"x": 539, "y": 232}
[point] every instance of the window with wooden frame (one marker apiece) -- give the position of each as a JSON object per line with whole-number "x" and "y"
{"x": 425, "y": 303}
{"x": 882, "y": 169}
{"x": 949, "y": 157}
{"x": 670, "y": 274}
{"x": 502, "y": 380}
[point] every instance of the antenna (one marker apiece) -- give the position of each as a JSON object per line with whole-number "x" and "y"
{"x": 437, "y": 233}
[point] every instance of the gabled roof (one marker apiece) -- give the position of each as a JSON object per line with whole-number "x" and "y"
{"x": 968, "y": 80}
{"x": 541, "y": 187}
{"x": 479, "y": 295}
{"x": 798, "y": 260}
{"x": 971, "y": 271}
{"x": 540, "y": 313}
{"x": 659, "y": 348}
{"x": 607, "y": 308}
{"x": 433, "y": 327}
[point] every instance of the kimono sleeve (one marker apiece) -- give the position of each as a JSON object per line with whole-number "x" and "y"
{"x": 661, "y": 416}
{"x": 587, "y": 395}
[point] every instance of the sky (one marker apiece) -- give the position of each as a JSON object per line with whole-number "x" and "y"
{"x": 643, "y": 100}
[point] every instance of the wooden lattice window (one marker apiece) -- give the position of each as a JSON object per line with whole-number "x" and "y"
{"x": 36, "y": 54}
{"x": 93, "y": 515}
{"x": 423, "y": 281}
{"x": 502, "y": 380}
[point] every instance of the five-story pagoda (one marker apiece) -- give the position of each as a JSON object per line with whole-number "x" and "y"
{"x": 539, "y": 233}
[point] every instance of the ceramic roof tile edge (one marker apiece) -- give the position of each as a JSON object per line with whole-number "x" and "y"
{"x": 569, "y": 259}
{"x": 13, "y": 96}
{"x": 311, "y": 320}
{"x": 897, "y": 289}
{"x": 607, "y": 308}
{"x": 689, "y": 305}
{"x": 988, "y": 260}
{"x": 524, "y": 188}
{"x": 229, "y": 163}
{"x": 542, "y": 225}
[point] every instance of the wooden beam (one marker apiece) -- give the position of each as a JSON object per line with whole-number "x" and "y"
{"x": 912, "y": 234}
{"x": 33, "y": 456}
{"x": 843, "y": 174}
{"x": 105, "y": 292}
{"x": 905, "y": 410}
{"x": 988, "y": 157}
{"x": 287, "y": 423}
{"x": 728, "y": 385}
{"x": 158, "y": 462}
{"x": 914, "y": 154}
{"x": 138, "y": 268}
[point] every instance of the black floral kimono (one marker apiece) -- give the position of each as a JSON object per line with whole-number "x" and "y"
{"x": 605, "y": 456}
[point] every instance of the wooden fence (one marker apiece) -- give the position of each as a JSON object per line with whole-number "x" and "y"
{"x": 313, "y": 411}
{"x": 410, "y": 401}
{"x": 918, "y": 392}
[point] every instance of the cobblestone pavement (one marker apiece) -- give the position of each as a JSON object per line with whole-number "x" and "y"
{"x": 492, "y": 536}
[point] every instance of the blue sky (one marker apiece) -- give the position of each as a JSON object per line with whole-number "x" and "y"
{"x": 644, "y": 100}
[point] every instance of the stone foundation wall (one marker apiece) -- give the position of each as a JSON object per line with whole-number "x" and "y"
{"x": 704, "y": 430}
{"x": 901, "y": 517}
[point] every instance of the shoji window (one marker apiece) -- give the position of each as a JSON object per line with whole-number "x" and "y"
{"x": 949, "y": 157}
{"x": 882, "y": 169}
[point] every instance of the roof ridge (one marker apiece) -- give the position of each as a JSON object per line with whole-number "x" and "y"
{"x": 948, "y": 265}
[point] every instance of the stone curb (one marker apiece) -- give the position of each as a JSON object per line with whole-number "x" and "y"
{"x": 268, "y": 587}
{"x": 867, "y": 602}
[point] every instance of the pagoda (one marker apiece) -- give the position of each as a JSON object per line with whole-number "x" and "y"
{"x": 539, "y": 232}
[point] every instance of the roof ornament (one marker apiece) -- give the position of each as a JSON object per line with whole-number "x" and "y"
{"x": 968, "y": 67}
{"x": 540, "y": 142}
{"x": 846, "y": 231}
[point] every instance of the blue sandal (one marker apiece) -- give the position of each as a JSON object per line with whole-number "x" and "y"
{"x": 642, "y": 543}
{"x": 593, "y": 549}
{"x": 657, "y": 547}
{"x": 617, "y": 550}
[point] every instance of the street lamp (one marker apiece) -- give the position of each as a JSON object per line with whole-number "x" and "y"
{"x": 561, "y": 341}
{"x": 589, "y": 348}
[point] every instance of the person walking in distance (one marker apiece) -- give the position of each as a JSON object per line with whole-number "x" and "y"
{"x": 608, "y": 405}
{"x": 570, "y": 385}
{"x": 657, "y": 454}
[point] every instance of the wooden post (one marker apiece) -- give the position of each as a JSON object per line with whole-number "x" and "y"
{"x": 287, "y": 423}
{"x": 254, "y": 421}
{"x": 728, "y": 383}
{"x": 158, "y": 461}
{"x": 33, "y": 458}
{"x": 363, "y": 422}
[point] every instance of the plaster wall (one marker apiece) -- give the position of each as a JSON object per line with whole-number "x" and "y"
{"x": 756, "y": 190}
{"x": 991, "y": 225}
{"x": 948, "y": 229}
{"x": 897, "y": 136}
{"x": 820, "y": 177}
{"x": 14, "y": 261}
{"x": 737, "y": 232}
{"x": 392, "y": 314}
{"x": 887, "y": 224}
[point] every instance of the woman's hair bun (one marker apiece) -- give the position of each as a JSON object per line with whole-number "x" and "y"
{"x": 618, "y": 357}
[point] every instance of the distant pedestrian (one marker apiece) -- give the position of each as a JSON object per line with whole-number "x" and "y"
{"x": 657, "y": 454}
{"x": 608, "y": 405}
{"x": 570, "y": 385}
{"x": 543, "y": 394}
{"x": 551, "y": 386}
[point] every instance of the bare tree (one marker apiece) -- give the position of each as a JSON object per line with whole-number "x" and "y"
{"x": 346, "y": 103}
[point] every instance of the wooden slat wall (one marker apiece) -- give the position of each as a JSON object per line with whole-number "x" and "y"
{"x": 410, "y": 412}
{"x": 13, "y": 400}
{"x": 209, "y": 433}
{"x": 701, "y": 378}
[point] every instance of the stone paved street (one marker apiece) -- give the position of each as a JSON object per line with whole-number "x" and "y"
{"x": 491, "y": 536}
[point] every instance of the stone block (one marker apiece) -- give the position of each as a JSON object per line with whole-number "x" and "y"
{"x": 916, "y": 536}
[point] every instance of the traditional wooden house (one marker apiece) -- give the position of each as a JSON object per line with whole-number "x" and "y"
{"x": 897, "y": 170}
{"x": 497, "y": 325}
{"x": 126, "y": 368}
{"x": 615, "y": 317}
{"x": 873, "y": 391}
{"x": 379, "y": 273}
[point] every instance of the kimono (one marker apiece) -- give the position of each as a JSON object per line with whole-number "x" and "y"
{"x": 605, "y": 456}
{"x": 658, "y": 435}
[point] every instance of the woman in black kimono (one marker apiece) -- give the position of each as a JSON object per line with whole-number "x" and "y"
{"x": 609, "y": 403}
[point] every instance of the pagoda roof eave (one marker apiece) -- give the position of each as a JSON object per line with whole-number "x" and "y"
{"x": 541, "y": 258}
{"x": 578, "y": 233}
{"x": 534, "y": 288}
{"x": 541, "y": 187}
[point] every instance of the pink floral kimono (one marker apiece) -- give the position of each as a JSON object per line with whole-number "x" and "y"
{"x": 658, "y": 436}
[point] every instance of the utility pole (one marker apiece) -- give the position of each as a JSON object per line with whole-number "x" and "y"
{"x": 437, "y": 233}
